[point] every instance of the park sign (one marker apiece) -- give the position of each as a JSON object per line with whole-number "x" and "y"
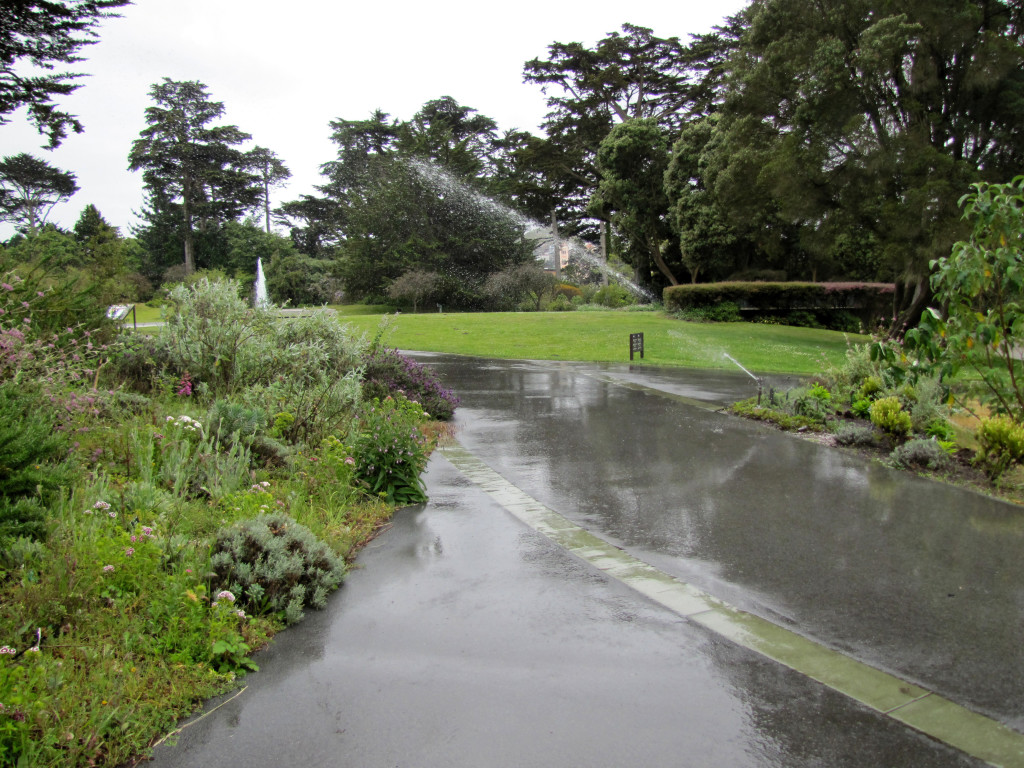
{"x": 118, "y": 312}
{"x": 636, "y": 344}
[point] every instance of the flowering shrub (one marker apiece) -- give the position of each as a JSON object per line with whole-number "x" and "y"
{"x": 389, "y": 450}
{"x": 388, "y": 372}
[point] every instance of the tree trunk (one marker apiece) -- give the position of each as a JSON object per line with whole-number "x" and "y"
{"x": 909, "y": 305}
{"x": 662, "y": 266}
{"x": 186, "y": 207}
{"x": 604, "y": 251}
{"x": 556, "y": 245}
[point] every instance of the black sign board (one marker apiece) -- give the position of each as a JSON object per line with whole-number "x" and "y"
{"x": 636, "y": 344}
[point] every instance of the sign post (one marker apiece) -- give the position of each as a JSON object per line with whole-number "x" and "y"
{"x": 636, "y": 344}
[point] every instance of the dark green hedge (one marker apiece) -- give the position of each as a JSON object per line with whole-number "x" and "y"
{"x": 870, "y": 298}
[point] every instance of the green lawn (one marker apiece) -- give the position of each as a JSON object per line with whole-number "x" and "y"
{"x": 604, "y": 337}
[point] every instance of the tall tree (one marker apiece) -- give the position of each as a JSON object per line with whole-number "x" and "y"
{"x": 628, "y": 76}
{"x": 185, "y": 157}
{"x": 707, "y": 240}
{"x": 43, "y": 34}
{"x": 863, "y": 114}
{"x": 632, "y": 160}
{"x": 453, "y": 136}
{"x": 31, "y": 187}
{"x": 270, "y": 172}
{"x": 412, "y": 195}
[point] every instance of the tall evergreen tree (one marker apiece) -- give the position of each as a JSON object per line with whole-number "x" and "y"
{"x": 35, "y": 37}
{"x": 271, "y": 173}
{"x": 192, "y": 169}
{"x": 31, "y": 187}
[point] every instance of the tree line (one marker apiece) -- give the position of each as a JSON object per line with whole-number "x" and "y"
{"x": 796, "y": 140}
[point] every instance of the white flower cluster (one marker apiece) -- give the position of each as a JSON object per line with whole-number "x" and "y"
{"x": 185, "y": 422}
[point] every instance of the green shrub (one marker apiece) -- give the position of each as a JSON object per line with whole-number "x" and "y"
{"x": 870, "y": 387}
{"x": 613, "y": 296}
{"x": 389, "y": 450}
{"x": 801, "y": 318}
{"x": 1001, "y": 445}
{"x": 560, "y": 304}
{"x": 30, "y": 444}
{"x": 888, "y": 415}
{"x": 272, "y": 564}
{"x": 921, "y": 454}
{"x": 388, "y": 372}
{"x": 725, "y": 312}
{"x": 855, "y": 434}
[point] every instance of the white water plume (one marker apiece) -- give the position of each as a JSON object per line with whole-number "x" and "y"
{"x": 444, "y": 183}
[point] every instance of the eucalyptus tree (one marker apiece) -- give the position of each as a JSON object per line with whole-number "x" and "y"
{"x": 30, "y": 189}
{"x": 35, "y": 37}
{"x": 191, "y": 167}
{"x": 270, "y": 172}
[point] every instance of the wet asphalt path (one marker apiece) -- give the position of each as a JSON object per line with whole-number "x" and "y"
{"x": 468, "y": 639}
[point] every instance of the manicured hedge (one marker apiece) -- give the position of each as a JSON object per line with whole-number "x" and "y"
{"x": 867, "y": 300}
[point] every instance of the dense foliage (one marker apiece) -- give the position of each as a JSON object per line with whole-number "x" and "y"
{"x": 167, "y": 503}
{"x": 45, "y": 34}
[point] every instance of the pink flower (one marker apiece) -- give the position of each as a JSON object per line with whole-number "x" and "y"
{"x": 350, "y": 461}
{"x": 7, "y": 286}
{"x": 130, "y": 551}
{"x": 108, "y": 568}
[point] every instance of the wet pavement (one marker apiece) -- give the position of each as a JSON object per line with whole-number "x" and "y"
{"x": 468, "y": 638}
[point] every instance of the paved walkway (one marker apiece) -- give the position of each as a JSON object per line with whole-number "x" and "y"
{"x": 545, "y": 608}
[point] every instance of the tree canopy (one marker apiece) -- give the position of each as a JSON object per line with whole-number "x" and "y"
{"x": 30, "y": 188}
{"x": 191, "y": 167}
{"x": 44, "y": 34}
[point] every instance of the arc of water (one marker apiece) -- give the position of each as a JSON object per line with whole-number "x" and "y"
{"x": 442, "y": 180}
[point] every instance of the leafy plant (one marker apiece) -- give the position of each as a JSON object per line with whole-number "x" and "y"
{"x": 389, "y": 450}
{"x": 1000, "y": 445}
{"x": 815, "y": 403}
{"x": 30, "y": 444}
{"x": 980, "y": 285}
{"x": 888, "y": 415}
{"x": 861, "y": 408}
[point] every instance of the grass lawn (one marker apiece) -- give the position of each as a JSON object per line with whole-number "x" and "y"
{"x": 604, "y": 337}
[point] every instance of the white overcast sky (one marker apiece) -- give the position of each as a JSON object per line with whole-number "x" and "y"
{"x": 285, "y": 69}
